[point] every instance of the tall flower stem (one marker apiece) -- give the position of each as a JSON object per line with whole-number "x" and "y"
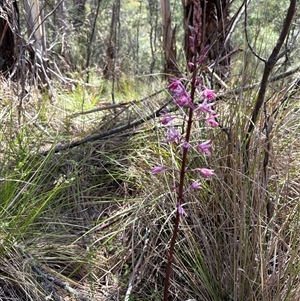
{"x": 170, "y": 256}
{"x": 181, "y": 185}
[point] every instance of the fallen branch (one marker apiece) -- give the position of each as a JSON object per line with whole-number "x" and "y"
{"x": 115, "y": 106}
{"x": 106, "y": 134}
{"x": 49, "y": 280}
{"x": 101, "y": 108}
{"x": 252, "y": 86}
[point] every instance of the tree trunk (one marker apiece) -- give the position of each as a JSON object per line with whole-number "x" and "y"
{"x": 215, "y": 18}
{"x": 36, "y": 33}
{"x": 169, "y": 42}
{"x": 65, "y": 30}
{"x": 153, "y": 22}
{"x": 9, "y": 28}
{"x": 110, "y": 68}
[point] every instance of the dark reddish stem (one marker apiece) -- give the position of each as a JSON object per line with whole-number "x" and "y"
{"x": 181, "y": 185}
{"x": 170, "y": 256}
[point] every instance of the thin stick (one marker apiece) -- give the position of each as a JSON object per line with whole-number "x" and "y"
{"x": 104, "y": 135}
{"x": 131, "y": 279}
{"x": 269, "y": 65}
{"x": 115, "y": 106}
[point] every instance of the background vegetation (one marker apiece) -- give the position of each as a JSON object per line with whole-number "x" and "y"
{"x": 83, "y": 218}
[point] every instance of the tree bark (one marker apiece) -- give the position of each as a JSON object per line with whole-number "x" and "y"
{"x": 215, "y": 20}
{"x": 36, "y": 33}
{"x": 65, "y": 30}
{"x": 109, "y": 68}
{"x": 9, "y": 28}
{"x": 169, "y": 42}
{"x": 153, "y": 22}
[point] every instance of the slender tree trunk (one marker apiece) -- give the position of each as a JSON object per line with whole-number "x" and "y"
{"x": 65, "y": 30}
{"x": 169, "y": 42}
{"x": 90, "y": 42}
{"x": 153, "y": 21}
{"x": 34, "y": 27}
{"x": 109, "y": 68}
{"x": 36, "y": 33}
